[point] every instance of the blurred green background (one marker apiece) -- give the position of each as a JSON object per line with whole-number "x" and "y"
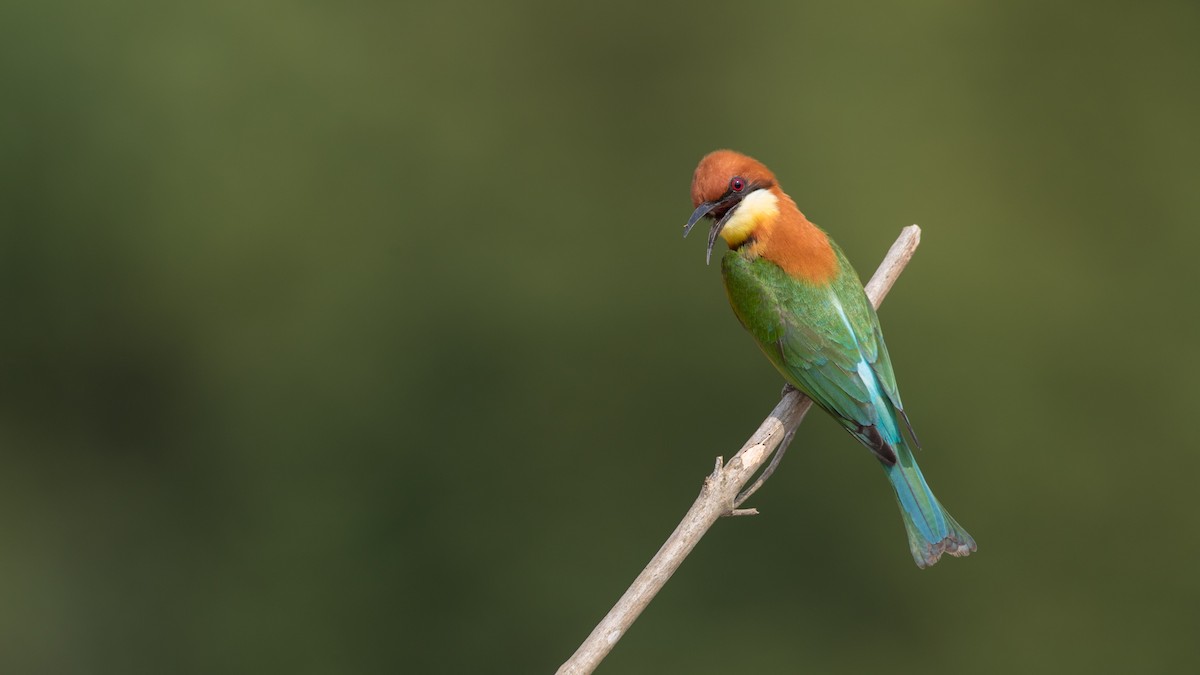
{"x": 360, "y": 337}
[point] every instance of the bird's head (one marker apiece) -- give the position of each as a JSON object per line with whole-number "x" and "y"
{"x": 724, "y": 181}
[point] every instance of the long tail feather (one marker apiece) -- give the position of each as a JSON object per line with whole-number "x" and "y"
{"x": 931, "y": 531}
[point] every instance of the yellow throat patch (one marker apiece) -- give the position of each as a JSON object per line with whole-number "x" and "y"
{"x": 756, "y": 207}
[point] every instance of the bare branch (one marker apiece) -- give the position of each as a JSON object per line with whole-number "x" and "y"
{"x": 775, "y": 460}
{"x": 719, "y": 496}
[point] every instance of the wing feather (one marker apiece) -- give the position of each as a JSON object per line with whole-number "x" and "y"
{"x": 824, "y": 340}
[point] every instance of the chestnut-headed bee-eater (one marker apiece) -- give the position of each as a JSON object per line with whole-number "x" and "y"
{"x": 794, "y": 291}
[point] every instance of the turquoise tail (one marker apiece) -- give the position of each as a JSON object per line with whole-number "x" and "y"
{"x": 931, "y": 531}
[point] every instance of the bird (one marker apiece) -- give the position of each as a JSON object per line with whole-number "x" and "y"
{"x": 795, "y": 292}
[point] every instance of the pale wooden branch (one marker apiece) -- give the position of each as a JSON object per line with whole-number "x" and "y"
{"x": 720, "y": 492}
{"x": 776, "y": 458}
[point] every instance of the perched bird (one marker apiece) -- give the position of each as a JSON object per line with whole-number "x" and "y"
{"x": 794, "y": 291}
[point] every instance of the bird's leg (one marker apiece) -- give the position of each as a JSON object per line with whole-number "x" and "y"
{"x": 788, "y": 388}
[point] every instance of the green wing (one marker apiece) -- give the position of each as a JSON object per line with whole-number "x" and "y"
{"x": 825, "y": 340}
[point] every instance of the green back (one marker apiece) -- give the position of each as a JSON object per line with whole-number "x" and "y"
{"x": 820, "y": 350}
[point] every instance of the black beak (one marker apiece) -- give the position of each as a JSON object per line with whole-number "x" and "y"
{"x": 699, "y": 213}
{"x": 730, "y": 201}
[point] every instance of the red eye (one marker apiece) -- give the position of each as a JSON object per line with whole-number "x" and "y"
{"x": 737, "y": 184}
